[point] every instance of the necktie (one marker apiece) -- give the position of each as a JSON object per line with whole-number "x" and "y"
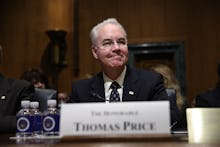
{"x": 114, "y": 97}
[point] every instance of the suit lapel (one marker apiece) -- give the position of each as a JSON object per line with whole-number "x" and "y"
{"x": 130, "y": 90}
{"x": 97, "y": 87}
{"x": 131, "y": 85}
{"x": 4, "y": 88}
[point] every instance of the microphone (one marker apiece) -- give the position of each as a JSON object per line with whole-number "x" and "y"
{"x": 179, "y": 125}
{"x": 174, "y": 124}
{"x": 98, "y": 96}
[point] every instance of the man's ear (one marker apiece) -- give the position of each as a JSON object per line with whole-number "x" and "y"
{"x": 94, "y": 52}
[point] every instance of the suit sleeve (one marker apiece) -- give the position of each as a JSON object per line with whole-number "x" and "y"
{"x": 19, "y": 90}
{"x": 73, "y": 96}
{"x": 201, "y": 101}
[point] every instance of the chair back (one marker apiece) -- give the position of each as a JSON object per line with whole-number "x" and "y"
{"x": 42, "y": 95}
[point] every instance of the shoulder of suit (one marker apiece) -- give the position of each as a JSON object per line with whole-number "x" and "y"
{"x": 18, "y": 82}
{"x": 145, "y": 72}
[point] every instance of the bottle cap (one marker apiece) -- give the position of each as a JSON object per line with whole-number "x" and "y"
{"x": 34, "y": 105}
{"x": 25, "y": 103}
{"x": 51, "y": 103}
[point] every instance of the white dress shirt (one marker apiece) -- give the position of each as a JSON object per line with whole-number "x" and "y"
{"x": 108, "y": 82}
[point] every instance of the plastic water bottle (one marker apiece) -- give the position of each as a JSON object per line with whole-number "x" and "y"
{"x": 37, "y": 119}
{"x": 51, "y": 119}
{"x": 24, "y": 120}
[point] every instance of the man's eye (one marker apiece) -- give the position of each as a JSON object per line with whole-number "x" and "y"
{"x": 107, "y": 44}
{"x": 121, "y": 42}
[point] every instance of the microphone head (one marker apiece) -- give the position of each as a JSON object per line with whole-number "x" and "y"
{"x": 96, "y": 95}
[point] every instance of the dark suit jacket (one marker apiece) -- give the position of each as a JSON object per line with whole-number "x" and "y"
{"x": 12, "y": 91}
{"x": 209, "y": 98}
{"x": 146, "y": 86}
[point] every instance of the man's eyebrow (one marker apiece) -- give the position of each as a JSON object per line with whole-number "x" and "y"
{"x": 106, "y": 40}
{"x": 122, "y": 38}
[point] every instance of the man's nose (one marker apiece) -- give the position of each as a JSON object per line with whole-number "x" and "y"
{"x": 116, "y": 45}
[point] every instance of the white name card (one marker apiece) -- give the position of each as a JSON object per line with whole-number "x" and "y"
{"x": 115, "y": 118}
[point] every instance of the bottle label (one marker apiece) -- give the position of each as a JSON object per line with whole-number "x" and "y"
{"x": 24, "y": 124}
{"x": 37, "y": 119}
{"x": 51, "y": 123}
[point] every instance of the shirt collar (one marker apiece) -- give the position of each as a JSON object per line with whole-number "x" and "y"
{"x": 119, "y": 80}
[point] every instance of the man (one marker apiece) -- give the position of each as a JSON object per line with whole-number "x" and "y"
{"x": 12, "y": 91}
{"x": 211, "y": 97}
{"x": 109, "y": 47}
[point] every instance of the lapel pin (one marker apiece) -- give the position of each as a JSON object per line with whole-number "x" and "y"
{"x": 131, "y": 92}
{"x": 3, "y": 97}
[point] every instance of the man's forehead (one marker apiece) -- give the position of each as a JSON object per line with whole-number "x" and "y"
{"x": 111, "y": 28}
{"x": 111, "y": 35}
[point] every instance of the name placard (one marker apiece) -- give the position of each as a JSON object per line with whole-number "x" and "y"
{"x": 115, "y": 118}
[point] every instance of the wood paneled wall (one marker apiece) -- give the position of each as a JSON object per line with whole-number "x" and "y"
{"x": 23, "y": 25}
{"x": 23, "y": 35}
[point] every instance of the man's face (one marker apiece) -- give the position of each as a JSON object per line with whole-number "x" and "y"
{"x": 111, "y": 47}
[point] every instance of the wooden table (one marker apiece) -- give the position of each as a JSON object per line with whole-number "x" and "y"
{"x": 103, "y": 141}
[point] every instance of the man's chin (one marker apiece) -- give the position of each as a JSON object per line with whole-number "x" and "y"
{"x": 117, "y": 65}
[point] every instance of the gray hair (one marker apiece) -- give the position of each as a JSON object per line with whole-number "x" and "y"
{"x": 96, "y": 28}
